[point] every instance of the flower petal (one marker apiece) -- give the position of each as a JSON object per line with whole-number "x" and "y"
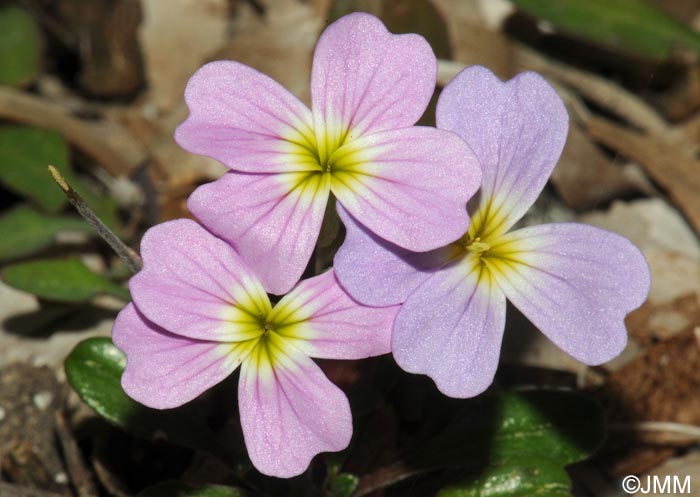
{"x": 408, "y": 186}
{"x": 195, "y": 285}
{"x": 376, "y": 272}
{"x": 574, "y": 282}
{"x": 321, "y": 319}
{"x": 245, "y": 120}
{"x": 516, "y": 129}
{"x": 273, "y": 220}
{"x": 165, "y": 370}
{"x": 451, "y": 328}
{"x": 289, "y": 410}
{"x": 366, "y": 79}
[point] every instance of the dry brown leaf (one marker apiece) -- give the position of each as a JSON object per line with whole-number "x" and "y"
{"x": 175, "y": 167}
{"x": 683, "y": 99}
{"x": 659, "y": 385}
{"x": 108, "y": 143}
{"x": 671, "y": 167}
{"x": 669, "y": 245}
{"x": 636, "y": 458}
{"x": 687, "y": 134}
{"x": 474, "y": 34}
{"x": 660, "y": 322}
{"x": 603, "y": 92}
{"x": 279, "y": 43}
{"x": 585, "y": 177}
{"x": 177, "y": 37}
{"x": 105, "y": 30}
{"x": 687, "y": 465}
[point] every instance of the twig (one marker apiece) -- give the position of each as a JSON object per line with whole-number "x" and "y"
{"x": 10, "y": 490}
{"x": 114, "y": 486}
{"x": 668, "y": 432}
{"x": 79, "y": 474}
{"x": 386, "y": 477}
{"x": 132, "y": 259}
{"x": 666, "y": 426}
{"x": 670, "y": 166}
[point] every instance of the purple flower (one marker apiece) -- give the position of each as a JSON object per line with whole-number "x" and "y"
{"x": 199, "y": 312}
{"x": 575, "y": 282}
{"x": 407, "y": 184}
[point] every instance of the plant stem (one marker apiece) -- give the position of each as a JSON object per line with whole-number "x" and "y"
{"x": 132, "y": 259}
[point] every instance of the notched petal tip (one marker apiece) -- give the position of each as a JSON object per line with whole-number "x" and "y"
{"x": 165, "y": 370}
{"x": 517, "y": 129}
{"x": 242, "y": 118}
{"x": 291, "y": 414}
{"x": 158, "y": 238}
{"x": 576, "y": 283}
{"x": 451, "y": 329}
{"x": 367, "y": 80}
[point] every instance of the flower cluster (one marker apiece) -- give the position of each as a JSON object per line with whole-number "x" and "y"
{"x": 199, "y": 313}
{"x": 413, "y": 277}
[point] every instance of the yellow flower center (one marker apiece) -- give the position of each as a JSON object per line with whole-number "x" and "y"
{"x": 327, "y": 151}
{"x": 476, "y": 246}
{"x": 265, "y": 333}
{"x": 485, "y": 247}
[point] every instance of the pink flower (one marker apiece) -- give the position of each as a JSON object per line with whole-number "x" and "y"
{"x": 575, "y": 282}
{"x": 408, "y": 185}
{"x": 199, "y": 312}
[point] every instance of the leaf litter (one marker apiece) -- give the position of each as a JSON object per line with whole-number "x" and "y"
{"x": 631, "y": 165}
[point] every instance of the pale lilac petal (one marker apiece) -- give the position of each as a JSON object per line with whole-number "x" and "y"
{"x": 366, "y": 79}
{"x": 165, "y": 370}
{"x": 451, "y": 329}
{"x": 516, "y": 129}
{"x": 273, "y": 220}
{"x": 321, "y": 319}
{"x": 245, "y": 120}
{"x": 195, "y": 285}
{"x": 576, "y": 283}
{"x": 376, "y": 272}
{"x": 408, "y": 186}
{"x": 289, "y": 410}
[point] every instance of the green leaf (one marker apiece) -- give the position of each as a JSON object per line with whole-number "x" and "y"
{"x": 634, "y": 26}
{"x": 25, "y": 154}
{"x": 25, "y": 231}
{"x": 20, "y": 47}
{"x": 177, "y": 489}
{"x": 343, "y": 485}
{"x": 62, "y": 280}
{"x": 94, "y": 370}
{"x": 563, "y": 426}
{"x": 517, "y": 443}
{"x": 520, "y": 477}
